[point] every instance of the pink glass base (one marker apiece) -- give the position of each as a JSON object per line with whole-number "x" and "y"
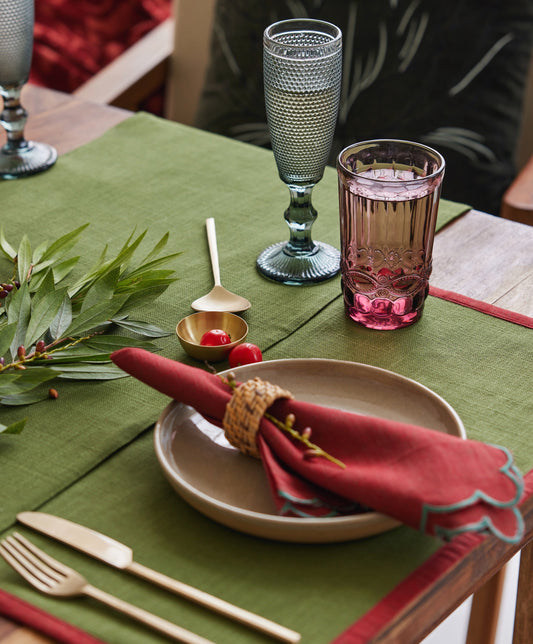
{"x": 382, "y": 313}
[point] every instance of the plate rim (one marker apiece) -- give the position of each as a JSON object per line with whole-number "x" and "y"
{"x": 323, "y": 524}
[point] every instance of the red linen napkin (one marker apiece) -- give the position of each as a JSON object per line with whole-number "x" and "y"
{"x": 23, "y": 613}
{"x": 429, "y": 480}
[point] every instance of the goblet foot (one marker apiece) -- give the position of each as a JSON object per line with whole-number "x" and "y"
{"x": 322, "y": 263}
{"x": 27, "y": 160}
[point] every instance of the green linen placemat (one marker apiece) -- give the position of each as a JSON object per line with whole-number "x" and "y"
{"x": 152, "y": 174}
{"x": 479, "y": 364}
{"x": 318, "y": 590}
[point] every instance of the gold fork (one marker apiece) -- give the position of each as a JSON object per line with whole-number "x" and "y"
{"x": 53, "y": 578}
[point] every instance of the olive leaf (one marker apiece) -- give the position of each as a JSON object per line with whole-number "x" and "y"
{"x": 102, "y": 289}
{"x": 95, "y": 315}
{"x": 110, "y": 343}
{"x": 25, "y": 398}
{"x": 6, "y": 247}
{"x": 62, "y": 320}
{"x": 6, "y": 337}
{"x": 61, "y": 246}
{"x": 156, "y": 250}
{"x": 63, "y": 269}
{"x": 19, "y": 311}
{"x": 89, "y": 371}
{"x": 25, "y": 380}
{"x": 14, "y": 428}
{"x": 142, "y": 328}
{"x": 43, "y": 313}
{"x": 77, "y": 353}
{"x": 24, "y": 259}
{"x": 39, "y": 252}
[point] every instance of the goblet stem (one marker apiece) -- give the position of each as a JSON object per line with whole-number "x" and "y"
{"x": 13, "y": 119}
{"x": 19, "y": 157}
{"x": 300, "y": 216}
{"x": 300, "y": 260}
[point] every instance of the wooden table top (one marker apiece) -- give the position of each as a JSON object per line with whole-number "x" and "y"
{"x": 478, "y": 255}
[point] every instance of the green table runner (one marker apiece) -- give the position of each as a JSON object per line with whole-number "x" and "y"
{"x": 152, "y": 174}
{"x": 481, "y": 365}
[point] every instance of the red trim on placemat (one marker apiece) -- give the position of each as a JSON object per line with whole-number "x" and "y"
{"x": 21, "y": 612}
{"x": 483, "y": 307}
{"x": 418, "y": 581}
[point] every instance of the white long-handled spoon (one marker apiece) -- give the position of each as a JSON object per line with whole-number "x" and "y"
{"x": 219, "y": 298}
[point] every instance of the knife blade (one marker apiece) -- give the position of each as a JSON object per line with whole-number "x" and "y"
{"x": 120, "y": 556}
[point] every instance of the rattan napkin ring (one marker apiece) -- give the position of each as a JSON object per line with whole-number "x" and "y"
{"x": 244, "y": 412}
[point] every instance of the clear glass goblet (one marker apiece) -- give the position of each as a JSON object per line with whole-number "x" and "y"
{"x": 302, "y": 61}
{"x": 18, "y": 157}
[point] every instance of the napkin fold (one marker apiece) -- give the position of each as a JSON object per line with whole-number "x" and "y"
{"x": 429, "y": 480}
{"x": 23, "y": 613}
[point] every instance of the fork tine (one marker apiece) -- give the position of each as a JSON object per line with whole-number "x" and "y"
{"x": 54, "y": 564}
{"x": 23, "y": 572}
{"x": 20, "y": 554}
{"x": 31, "y": 562}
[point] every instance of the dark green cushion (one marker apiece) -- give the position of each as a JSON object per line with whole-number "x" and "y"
{"x": 449, "y": 74}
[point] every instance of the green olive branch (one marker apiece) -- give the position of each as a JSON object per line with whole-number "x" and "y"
{"x": 45, "y": 352}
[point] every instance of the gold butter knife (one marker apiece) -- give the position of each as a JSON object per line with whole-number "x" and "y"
{"x": 120, "y": 556}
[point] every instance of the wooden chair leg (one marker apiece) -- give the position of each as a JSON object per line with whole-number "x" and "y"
{"x": 485, "y": 611}
{"x": 523, "y": 621}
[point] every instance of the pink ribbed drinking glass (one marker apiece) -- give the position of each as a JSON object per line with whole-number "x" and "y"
{"x": 389, "y": 196}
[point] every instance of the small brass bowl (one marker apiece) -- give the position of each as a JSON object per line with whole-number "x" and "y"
{"x": 191, "y": 329}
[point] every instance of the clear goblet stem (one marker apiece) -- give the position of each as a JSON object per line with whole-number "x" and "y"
{"x": 300, "y": 260}
{"x": 13, "y": 119}
{"x": 300, "y": 216}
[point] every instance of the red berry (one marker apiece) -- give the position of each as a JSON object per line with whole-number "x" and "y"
{"x": 8, "y": 287}
{"x": 215, "y": 338}
{"x": 245, "y": 353}
{"x": 3, "y": 293}
{"x": 40, "y": 346}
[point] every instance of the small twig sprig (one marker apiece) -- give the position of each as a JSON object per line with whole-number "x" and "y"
{"x": 43, "y": 351}
{"x": 288, "y": 427}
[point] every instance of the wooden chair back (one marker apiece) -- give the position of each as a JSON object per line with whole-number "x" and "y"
{"x": 193, "y": 22}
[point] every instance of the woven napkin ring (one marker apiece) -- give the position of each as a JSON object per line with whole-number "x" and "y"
{"x": 245, "y": 410}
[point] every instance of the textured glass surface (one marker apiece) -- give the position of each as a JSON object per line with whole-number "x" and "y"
{"x": 389, "y": 196}
{"x": 16, "y": 40}
{"x": 302, "y": 74}
{"x": 302, "y": 61}
{"x": 18, "y": 157}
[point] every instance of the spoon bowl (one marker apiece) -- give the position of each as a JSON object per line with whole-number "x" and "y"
{"x": 218, "y": 298}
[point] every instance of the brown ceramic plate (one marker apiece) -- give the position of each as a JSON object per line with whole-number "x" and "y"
{"x": 232, "y": 488}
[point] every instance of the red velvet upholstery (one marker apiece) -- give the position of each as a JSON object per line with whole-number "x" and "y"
{"x": 74, "y": 40}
